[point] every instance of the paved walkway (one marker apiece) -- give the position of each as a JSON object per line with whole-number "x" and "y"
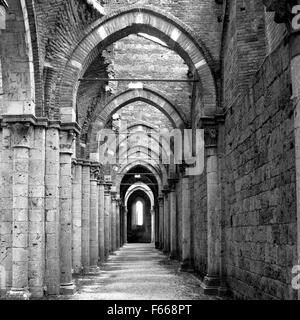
{"x": 139, "y": 272}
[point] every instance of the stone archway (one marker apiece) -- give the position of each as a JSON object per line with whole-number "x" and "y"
{"x": 138, "y": 19}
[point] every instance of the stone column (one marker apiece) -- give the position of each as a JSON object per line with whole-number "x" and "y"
{"x": 121, "y": 212}
{"x": 94, "y": 219}
{"x": 186, "y": 225}
{"x": 211, "y": 282}
{"x": 101, "y": 222}
{"x": 52, "y": 272}
{"x": 152, "y": 225}
{"x": 173, "y": 219}
{"x": 118, "y": 224}
{"x": 156, "y": 213}
{"x": 161, "y": 221}
{"x": 113, "y": 220}
{"x": 6, "y": 202}
{"x": 166, "y": 247}
{"x": 37, "y": 211}
{"x": 76, "y": 216}
{"x": 85, "y": 216}
{"x": 107, "y": 208}
{"x": 65, "y": 204}
{"x": 125, "y": 213}
{"x": 21, "y": 136}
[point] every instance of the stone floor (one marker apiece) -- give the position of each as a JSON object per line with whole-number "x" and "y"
{"x": 138, "y": 272}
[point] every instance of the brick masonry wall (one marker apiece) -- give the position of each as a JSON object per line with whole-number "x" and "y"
{"x": 138, "y": 57}
{"x": 188, "y": 11}
{"x": 143, "y": 113}
{"x": 260, "y": 204}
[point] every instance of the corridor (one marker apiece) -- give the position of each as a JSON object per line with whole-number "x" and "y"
{"x": 138, "y": 272}
{"x": 142, "y": 137}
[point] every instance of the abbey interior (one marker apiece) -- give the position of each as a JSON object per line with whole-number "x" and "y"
{"x": 150, "y": 129}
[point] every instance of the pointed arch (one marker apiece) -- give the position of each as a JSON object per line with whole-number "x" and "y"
{"x": 122, "y": 23}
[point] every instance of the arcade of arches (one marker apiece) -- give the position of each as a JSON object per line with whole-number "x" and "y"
{"x": 99, "y": 101}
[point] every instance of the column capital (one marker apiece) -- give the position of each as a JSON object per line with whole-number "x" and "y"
{"x": 107, "y": 187}
{"x": 166, "y": 190}
{"x": 66, "y": 141}
{"x": 21, "y": 134}
{"x": 172, "y": 184}
{"x": 211, "y": 124}
{"x": 160, "y": 199}
{"x": 86, "y": 163}
{"x": 95, "y": 171}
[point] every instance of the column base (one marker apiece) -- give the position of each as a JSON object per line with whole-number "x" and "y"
{"x": 37, "y": 292}
{"x": 223, "y": 292}
{"x": 173, "y": 256}
{"x": 186, "y": 267}
{"x": 92, "y": 270}
{"x": 211, "y": 285}
{"x": 18, "y": 294}
{"x": 156, "y": 245}
{"x": 78, "y": 270}
{"x": 67, "y": 289}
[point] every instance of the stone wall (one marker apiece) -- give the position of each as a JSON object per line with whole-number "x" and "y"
{"x": 259, "y": 182}
{"x": 136, "y": 56}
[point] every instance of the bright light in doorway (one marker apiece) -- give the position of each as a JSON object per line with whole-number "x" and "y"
{"x": 140, "y": 213}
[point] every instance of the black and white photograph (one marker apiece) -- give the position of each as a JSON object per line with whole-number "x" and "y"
{"x": 149, "y": 154}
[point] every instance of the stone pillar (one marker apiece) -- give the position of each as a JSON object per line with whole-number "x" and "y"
{"x": 186, "y": 225}
{"x": 37, "y": 212}
{"x": 125, "y": 213}
{"x": 107, "y": 208}
{"x": 94, "y": 219}
{"x": 166, "y": 247}
{"x": 156, "y": 213}
{"x": 101, "y": 222}
{"x": 121, "y": 213}
{"x": 113, "y": 220}
{"x": 76, "y": 216}
{"x": 173, "y": 219}
{"x": 152, "y": 225}
{"x": 21, "y": 135}
{"x": 6, "y": 202}
{"x": 85, "y": 216}
{"x": 118, "y": 224}
{"x": 211, "y": 282}
{"x": 65, "y": 204}
{"x": 161, "y": 221}
{"x": 52, "y": 272}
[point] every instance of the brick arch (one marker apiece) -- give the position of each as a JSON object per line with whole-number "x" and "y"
{"x": 146, "y": 95}
{"x": 139, "y": 186}
{"x": 153, "y": 137}
{"x": 150, "y": 160}
{"x": 139, "y": 147}
{"x": 131, "y": 20}
{"x": 125, "y": 98}
{"x": 144, "y": 151}
{"x": 161, "y": 168}
{"x": 148, "y": 166}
